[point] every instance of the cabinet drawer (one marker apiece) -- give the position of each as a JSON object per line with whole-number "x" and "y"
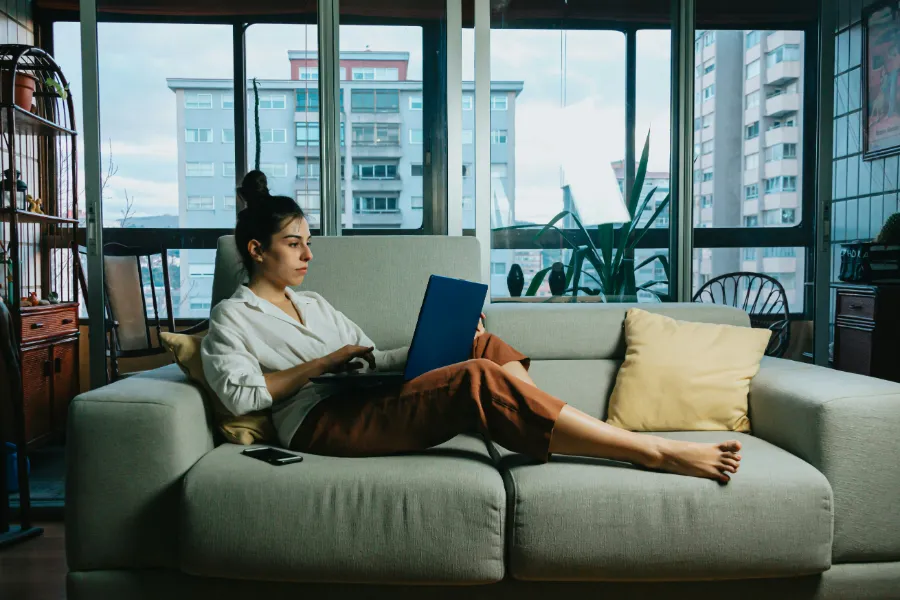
{"x": 853, "y": 349}
{"x": 860, "y": 307}
{"x": 44, "y": 323}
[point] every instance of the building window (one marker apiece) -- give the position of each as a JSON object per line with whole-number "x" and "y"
{"x": 709, "y": 91}
{"x": 374, "y": 171}
{"x": 229, "y": 202}
{"x": 498, "y": 268}
{"x": 380, "y": 101}
{"x": 707, "y": 175}
{"x": 375, "y": 73}
{"x": 273, "y": 169}
{"x": 709, "y": 38}
{"x": 273, "y": 136}
{"x": 751, "y": 161}
{"x": 309, "y": 201}
{"x": 707, "y": 121}
{"x": 786, "y": 183}
{"x": 228, "y": 169}
{"x": 707, "y": 147}
{"x": 201, "y": 203}
{"x": 228, "y": 136}
{"x": 498, "y": 136}
{"x": 709, "y": 67}
{"x": 752, "y": 100}
{"x": 752, "y": 69}
{"x": 498, "y": 170}
{"x": 308, "y": 73}
{"x": 779, "y": 123}
{"x": 415, "y": 103}
{"x": 783, "y": 216}
{"x": 781, "y": 152}
{"x": 751, "y": 221}
{"x": 783, "y": 53}
{"x": 415, "y": 136}
{"x": 307, "y": 133}
{"x": 308, "y": 169}
{"x": 201, "y": 304}
{"x": 752, "y": 130}
{"x": 749, "y": 253}
{"x": 193, "y": 136}
{"x": 779, "y": 253}
{"x": 467, "y": 102}
{"x": 415, "y": 170}
{"x": 706, "y": 201}
{"x": 308, "y": 100}
{"x": 752, "y": 39}
{"x": 201, "y": 270}
{"x": 228, "y": 101}
{"x": 198, "y": 101}
{"x": 374, "y": 204}
{"x": 377, "y": 134}
{"x": 467, "y": 170}
{"x": 467, "y": 203}
{"x": 199, "y": 169}
{"x": 416, "y": 202}
{"x": 751, "y": 191}
{"x": 499, "y": 102}
{"x": 272, "y": 101}
{"x": 468, "y": 136}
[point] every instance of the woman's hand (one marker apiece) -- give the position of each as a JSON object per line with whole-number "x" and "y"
{"x": 479, "y": 331}
{"x": 339, "y": 361}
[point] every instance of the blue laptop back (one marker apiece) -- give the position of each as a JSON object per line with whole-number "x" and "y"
{"x": 446, "y": 326}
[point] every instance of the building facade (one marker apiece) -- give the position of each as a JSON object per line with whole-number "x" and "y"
{"x": 381, "y": 150}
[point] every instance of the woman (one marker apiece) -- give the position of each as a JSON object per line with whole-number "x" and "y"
{"x": 267, "y": 341}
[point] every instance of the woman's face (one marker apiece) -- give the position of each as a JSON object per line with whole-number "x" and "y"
{"x": 286, "y": 260}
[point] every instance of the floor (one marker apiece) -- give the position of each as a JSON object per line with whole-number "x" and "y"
{"x": 36, "y": 568}
{"x": 47, "y": 477}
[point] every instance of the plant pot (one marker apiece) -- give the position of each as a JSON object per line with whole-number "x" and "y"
{"x": 24, "y": 92}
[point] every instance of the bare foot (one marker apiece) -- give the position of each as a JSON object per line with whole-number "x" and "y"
{"x": 712, "y": 461}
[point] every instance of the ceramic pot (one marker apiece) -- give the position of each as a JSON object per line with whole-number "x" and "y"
{"x": 24, "y": 92}
{"x": 515, "y": 281}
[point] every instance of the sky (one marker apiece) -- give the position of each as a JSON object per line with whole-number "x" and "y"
{"x": 565, "y": 74}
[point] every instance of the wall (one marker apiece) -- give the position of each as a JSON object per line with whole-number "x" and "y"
{"x": 864, "y": 193}
{"x": 16, "y": 22}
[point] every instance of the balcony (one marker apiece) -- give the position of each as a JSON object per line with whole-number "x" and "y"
{"x": 378, "y": 219}
{"x": 377, "y": 185}
{"x": 783, "y": 72}
{"x": 782, "y": 104}
{"x": 780, "y": 38}
{"x": 783, "y": 135}
{"x": 375, "y": 117}
{"x": 781, "y": 200}
{"x": 787, "y": 166}
{"x": 380, "y": 150}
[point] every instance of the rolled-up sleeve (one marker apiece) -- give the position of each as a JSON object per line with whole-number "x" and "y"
{"x": 231, "y": 370}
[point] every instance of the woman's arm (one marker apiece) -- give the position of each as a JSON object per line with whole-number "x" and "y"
{"x": 286, "y": 383}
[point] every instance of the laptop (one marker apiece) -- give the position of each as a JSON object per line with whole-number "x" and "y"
{"x": 443, "y": 336}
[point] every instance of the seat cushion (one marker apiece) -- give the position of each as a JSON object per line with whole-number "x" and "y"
{"x": 580, "y": 519}
{"x": 431, "y": 517}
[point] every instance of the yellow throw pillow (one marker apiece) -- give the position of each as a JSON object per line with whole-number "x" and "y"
{"x": 684, "y": 376}
{"x": 252, "y": 428}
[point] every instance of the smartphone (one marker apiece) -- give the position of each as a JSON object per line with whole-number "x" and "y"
{"x": 273, "y": 456}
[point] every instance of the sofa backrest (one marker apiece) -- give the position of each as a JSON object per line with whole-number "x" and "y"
{"x": 377, "y": 281}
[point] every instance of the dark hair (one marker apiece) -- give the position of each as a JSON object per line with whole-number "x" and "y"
{"x": 264, "y": 216}
{"x": 254, "y": 186}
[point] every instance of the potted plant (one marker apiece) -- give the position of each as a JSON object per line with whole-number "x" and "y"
{"x": 613, "y": 260}
{"x": 23, "y": 94}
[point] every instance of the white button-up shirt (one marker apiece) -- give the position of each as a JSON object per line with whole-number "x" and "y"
{"x": 249, "y": 336}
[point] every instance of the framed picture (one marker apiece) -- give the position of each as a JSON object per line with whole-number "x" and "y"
{"x": 881, "y": 79}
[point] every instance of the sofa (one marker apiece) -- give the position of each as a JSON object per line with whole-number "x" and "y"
{"x": 155, "y": 509}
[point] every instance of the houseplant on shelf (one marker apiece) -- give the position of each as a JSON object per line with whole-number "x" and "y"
{"x": 611, "y": 258}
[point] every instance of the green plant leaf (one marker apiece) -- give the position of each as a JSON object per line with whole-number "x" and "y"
{"x": 536, "y": 281}
{"x": 577, "y": 260}
{"x": 639, "y": 177}
{"x": 660, "y": 257}
{"x": 656, "y": 213}
{"x": 571, "y": 268}
{"x": 648, "y": 284}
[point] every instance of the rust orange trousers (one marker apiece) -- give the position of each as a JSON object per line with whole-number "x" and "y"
{"x": 475, "y": 396}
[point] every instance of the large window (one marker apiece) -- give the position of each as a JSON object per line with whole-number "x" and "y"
{"x": 308, "y": 100}
{"x": 374, "y": 171}
{"x": 752, "y": 69}
{"x": 375, "y": 101}
{"x": 783, "y": 53}
{"x": 375, "y": 73}
{"x": 307, "y": 134}
{"x": 372, "y": 134}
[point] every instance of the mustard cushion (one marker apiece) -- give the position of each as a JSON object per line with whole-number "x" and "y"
{"x": 251, "y": 428}
{"x": 684, "y": 376}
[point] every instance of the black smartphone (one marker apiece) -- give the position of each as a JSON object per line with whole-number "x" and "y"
{"x": 273, "y": 456}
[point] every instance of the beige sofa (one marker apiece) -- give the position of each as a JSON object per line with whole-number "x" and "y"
{"x": 155, "y": 510}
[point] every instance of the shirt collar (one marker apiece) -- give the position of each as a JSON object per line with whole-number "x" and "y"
{"x": 246, "y": 295}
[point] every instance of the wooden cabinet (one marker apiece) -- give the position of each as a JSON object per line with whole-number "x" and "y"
{"x": 867, "y": 330}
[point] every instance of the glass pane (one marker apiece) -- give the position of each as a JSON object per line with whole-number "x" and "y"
{"x": 382, "y": 72}
{"x": 787, "y": 265}
{"x": 748, "y": 140}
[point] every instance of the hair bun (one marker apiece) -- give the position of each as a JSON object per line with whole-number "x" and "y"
{"x": 254, "y": 188}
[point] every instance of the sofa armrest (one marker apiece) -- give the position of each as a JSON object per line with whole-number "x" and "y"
{"x": 129, "y": 444}
{"x": 846, "y": 426}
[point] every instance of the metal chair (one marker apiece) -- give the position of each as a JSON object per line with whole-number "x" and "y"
{"x": 129, "y": 281}
{"x": 761, "y": 296}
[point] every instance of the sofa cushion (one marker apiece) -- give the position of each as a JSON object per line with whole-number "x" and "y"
{"x": 431, "y": 517}
{"x": 580, "y": 519}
